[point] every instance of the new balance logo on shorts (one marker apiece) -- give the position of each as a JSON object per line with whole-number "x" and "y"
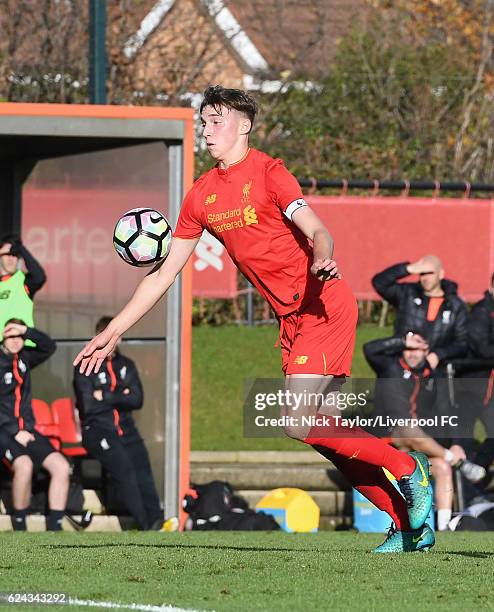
{"x": 301, "y": 359}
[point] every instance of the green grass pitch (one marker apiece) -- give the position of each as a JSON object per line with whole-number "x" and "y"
{"x": 250, "y": 571}
{"x": 222, "y": 359}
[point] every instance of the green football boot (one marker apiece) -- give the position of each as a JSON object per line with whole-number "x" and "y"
{"x": 421, "y": 540}
{"x": 417, "y": 491}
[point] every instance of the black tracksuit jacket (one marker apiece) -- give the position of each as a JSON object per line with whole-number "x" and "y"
{"x": 447, "y": 334}
{"x": 114, "y": 412}
{"x": 481, "y": 333}
{"x": 399, "y": 387}
{"x": 16, "y": 411}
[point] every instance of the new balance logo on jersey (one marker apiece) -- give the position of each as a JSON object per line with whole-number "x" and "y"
{"x": 123, "y": 372}
{"x": 102, "y": 378}
{"x": 4, "y": 295}
{"x": 211, "y": 199}
{"x": 7, "y": 378}
{"x": 250, "y": 216}
{"x": 22, "y": 366}
{"x": 301, "y": 359}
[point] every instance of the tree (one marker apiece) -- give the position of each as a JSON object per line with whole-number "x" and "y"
{"x": 393, "y": 105}
{"x": 40, "y": 58}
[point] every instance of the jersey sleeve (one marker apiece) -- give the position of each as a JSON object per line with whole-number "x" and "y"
{"x": 284, "y": 189}
{"x": 189, "y": 225}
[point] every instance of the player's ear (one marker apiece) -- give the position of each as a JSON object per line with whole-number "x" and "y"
{"x": 245, "y": 125}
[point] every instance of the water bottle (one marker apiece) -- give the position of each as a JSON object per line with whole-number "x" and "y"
{"x": 471, "y": 471}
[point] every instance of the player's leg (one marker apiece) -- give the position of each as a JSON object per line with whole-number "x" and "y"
{"x": 443, "y": 477}
{"x": 59, "y": 470}
{"x": 373, "y": 484}
{"x": 22, "y": 478}
{"x": 109, "y": 450}
{"x": 139, "y": 457}
{"x": 349, "y": 442}
{"x": 317, "y": 353}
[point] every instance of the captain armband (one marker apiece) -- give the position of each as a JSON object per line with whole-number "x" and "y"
{"x": 293, "y": 206}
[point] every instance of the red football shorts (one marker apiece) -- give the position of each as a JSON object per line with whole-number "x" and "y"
{"x": 319, "y": 338}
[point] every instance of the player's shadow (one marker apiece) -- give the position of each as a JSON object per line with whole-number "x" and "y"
{"x": 472, "y": 554}
{"x": 185, "y": 546}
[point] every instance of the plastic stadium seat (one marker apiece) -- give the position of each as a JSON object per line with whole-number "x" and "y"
{"x": 66, "y": 419}
{"x": 45, "y": 423}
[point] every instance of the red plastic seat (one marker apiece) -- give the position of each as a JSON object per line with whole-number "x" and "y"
{"x": 68, "y": 423}
{"x": 45, "y": 423}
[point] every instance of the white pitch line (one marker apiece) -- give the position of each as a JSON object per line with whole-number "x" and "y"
{"x": 132, "y": 606}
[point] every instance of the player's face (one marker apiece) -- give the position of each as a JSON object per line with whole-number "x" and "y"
{"x": 431, "y": 279}
{"x": 414, "y": 358}
{"x": 222, "y": 131}
{"x": 8, "y": 262}
{"x": 14, "y": 344}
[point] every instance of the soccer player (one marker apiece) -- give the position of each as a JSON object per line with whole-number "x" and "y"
{"x": 25, "y": 448}
{"x": 255, "y": 207}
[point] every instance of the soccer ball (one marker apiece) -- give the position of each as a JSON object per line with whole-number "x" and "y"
{"x": 142, "y": 237}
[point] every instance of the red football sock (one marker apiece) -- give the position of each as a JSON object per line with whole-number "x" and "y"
{"x": 372, "y": 482}
{"x": 353, "y": 443}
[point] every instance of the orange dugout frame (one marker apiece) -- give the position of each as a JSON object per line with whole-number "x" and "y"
{"x": 30, "y": 133}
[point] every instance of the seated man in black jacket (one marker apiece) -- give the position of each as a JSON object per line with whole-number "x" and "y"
{"x": 24, "y": 447}
{"x": 430, "y": 307}
{"x": 406, "y": 390}
{"x": 105, "y": 401}
{"x": 479, "y": 391}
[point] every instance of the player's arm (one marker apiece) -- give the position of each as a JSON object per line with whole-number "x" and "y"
{"x": 285, "y": 191}
{"x": 36, "y": 276}
{"x": 322, "y": 242}
{"x": 129, "y": 394}
{"x": 148, "y": 292}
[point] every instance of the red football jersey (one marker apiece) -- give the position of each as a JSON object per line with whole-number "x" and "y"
{"x": 244, "y": 207}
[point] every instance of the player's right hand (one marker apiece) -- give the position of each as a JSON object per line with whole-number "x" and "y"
{"x": 96, "y": 351}
{"x": 23, "y": 437}
{"x": 415, "y": 341}
{"x": 419, "y": 267}
{"x": 13, "y": 330}
{"x": 458, "y": 454}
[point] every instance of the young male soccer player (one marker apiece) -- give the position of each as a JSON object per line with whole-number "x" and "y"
{"x": 255, "y": 207}
{"x": 23, "y": 447}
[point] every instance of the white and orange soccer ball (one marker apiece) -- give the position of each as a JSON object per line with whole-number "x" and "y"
{"x": 142, "y": 237}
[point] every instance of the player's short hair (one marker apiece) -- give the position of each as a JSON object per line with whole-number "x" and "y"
{"x": 218, "y": 96}
{"x": 14, "y": 320}
{"x": 8, "y": 239}
{"x": 102, "y": 323}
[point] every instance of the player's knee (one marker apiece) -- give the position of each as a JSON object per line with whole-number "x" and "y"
{"x": 58, "y": 466}
{"x": 441, "y": 468}
{"x": 294, "y": 431}
{"x": 23, "y": 467}
{"x": 64, "y": 468}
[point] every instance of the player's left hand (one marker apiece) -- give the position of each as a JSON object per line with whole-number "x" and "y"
{"x": 325, "y": 269}
{"x": 13, "y": 330}
{"x": 432, "y": 360}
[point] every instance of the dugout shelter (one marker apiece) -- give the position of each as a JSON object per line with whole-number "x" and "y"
{"x": 67, "y": 173}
